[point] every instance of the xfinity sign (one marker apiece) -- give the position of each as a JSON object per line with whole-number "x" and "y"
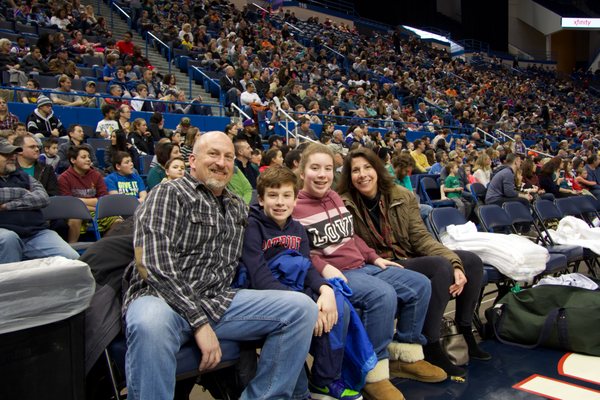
{"x": 583, "y": 23}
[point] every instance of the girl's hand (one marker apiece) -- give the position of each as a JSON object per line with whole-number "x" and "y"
{"x": 383, "y": 263}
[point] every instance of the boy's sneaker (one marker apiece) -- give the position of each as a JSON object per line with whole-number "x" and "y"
{"x": 334, "y": 391}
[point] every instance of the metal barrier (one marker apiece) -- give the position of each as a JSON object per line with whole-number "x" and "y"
{"x": 210, "y": 80}
{"x": 120, "y": 10}
{"x": 240, "y": 111}
{"x": 512, "y": 140}
{"x": 156, "y": 39}
{"x": 288, "y": 132}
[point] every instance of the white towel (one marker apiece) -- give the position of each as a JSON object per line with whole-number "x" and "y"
{"x": 513, "y": 255}
{"x": 575, "y": 231}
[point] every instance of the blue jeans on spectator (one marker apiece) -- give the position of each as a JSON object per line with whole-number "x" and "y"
{"x": 284, "y": 319}
{"x": 385, "y": 294}
{"x": 45, "y": 243}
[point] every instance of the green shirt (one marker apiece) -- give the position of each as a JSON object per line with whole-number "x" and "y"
{"x": 452, "y": 182}
{"x": 405, "y": 182}
{"x": 29, "y": 171}
{"x": 240, "y": 185}
{"x": 155, "y": 176}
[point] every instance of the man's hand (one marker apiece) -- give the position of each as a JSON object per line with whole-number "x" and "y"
{"x": 383, "y": 263}
{"x": 209, "y": 346}
{"x": 330, "y": 272}
{"x": 55, "y": 132}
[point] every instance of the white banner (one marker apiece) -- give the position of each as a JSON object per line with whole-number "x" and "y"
{"x": 583, "y": 23}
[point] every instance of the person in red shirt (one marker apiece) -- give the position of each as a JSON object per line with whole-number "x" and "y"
{"x": 81, "y": 180}
{"x": 125, "y": 46}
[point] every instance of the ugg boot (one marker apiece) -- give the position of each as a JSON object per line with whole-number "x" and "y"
{"x": 378, "y": 386}
{"x": 475, "y": 351}
{"x": 406, "y": 361}
{"x": 436, "y": 356}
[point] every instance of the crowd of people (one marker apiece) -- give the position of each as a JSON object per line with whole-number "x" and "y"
{"x": 325, "y": 213}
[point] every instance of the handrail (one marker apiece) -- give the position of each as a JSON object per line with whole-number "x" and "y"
{"x": 294, "y": 26}
{"x": 211, "y": 80}
{"x": 288, "y": 119}
{"x": 485, "y": 134}
{"x": 112, "y": 23}
{"x": 526, "y": 148}
{"x": 207, "y": 77}
{"x": 295, "y": 135}
{"x": 264, "y": 9}
{"x": 259, "y": 7}
{"x": 235, "y": 106}
{"x": 504, "y": 135}
{"x": 459, "y": 77}
{"x": 431, "y": 104}
{"x": 161, "y": 42}
{"x": 334, "y": 51}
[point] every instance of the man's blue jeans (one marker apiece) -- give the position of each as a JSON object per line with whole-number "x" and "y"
{"x": 385, "y": 294}
{"x": 284, "y": 319}
{"x": 45, "y": 243}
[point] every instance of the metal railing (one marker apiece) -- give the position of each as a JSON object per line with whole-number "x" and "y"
{"x": 294, "y": 27}
{"x": 288, "y": 119}
{"x": 210, "y": 81}
{"x": 156, "y": 39}
{"x": 486, "y": 135}
{"x": 240, "y": 111}
{"x": 120, "y": 10}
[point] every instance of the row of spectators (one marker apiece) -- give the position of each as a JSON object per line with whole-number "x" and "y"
{"x": 401, "y": 81}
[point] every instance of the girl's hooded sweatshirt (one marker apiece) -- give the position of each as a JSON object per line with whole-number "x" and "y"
{"x": 330, "y": 230}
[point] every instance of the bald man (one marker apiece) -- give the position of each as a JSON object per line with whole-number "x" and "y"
{"x": 188, "y": 240}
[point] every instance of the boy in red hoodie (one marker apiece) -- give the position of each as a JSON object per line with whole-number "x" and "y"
{"x": 81, "y": 180}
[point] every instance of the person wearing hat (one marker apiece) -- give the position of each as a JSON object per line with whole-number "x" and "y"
{"x": 90, "y": 98}
{"x": 250, "y": 133}
{"x": 62, "y": 65}
{"x": 23, "y": 233}
{"x": 42, "y": 122}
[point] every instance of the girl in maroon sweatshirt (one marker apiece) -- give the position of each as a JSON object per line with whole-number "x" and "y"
{"x": 381, "y": 288}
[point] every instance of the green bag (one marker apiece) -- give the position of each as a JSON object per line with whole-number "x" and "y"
{"x": 560, "y": 317}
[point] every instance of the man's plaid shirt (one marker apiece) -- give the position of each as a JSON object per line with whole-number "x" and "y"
{"x": 187, "y": 249}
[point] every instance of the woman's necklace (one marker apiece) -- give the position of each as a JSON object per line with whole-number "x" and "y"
{"x": 371, "y": 204}
{"x": 374, "y": 207}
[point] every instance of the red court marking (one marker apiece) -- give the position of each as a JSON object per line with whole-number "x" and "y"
{"x": 561, "y": 370}
{"x": 552, "y": 387}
